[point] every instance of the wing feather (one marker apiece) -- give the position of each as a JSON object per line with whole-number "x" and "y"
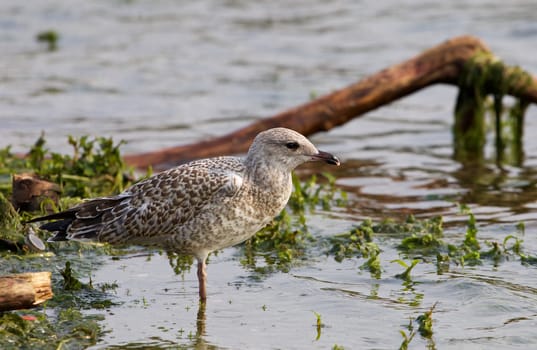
{"x": 153, "y": 208}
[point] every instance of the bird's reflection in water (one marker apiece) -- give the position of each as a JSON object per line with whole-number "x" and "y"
{"x": 200, "y": 321}
{"x": 199, "y": 342}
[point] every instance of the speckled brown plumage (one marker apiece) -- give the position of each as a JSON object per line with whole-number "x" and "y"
{"x": 198, "y": 207}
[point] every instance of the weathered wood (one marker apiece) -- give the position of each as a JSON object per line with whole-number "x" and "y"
{"x": 25, "y": 290}
{"x": 441, "y": 64}
{"x": 29, "y": 191}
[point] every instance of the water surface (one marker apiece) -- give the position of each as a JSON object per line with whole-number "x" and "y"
{"x": 163, "y": 73}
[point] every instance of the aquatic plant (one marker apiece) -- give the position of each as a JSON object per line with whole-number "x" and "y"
{"x": 425, "y": 323}
{"x": 318, "y": 325}
{"x": 180, "y": 263}
{"x": 425, "y": 329}
{"x": 285, "y": 242}
{"x": 405, "y": 275}
{"x": 286, "y": 238}
{"x": 422, "y": 240}
{"x": 95, "y": 168}
{"x": 10, "y": 225}
{"x": 70, "y": 282}
{"x": 411, "y": 225}
{"x": 35, "y": 330}
{"x": 407, "y": 338}
{"x": 357, "y": 242}
{"x": 50, "y": 38}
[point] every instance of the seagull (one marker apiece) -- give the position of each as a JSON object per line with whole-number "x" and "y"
{"x": 198, "y": 207}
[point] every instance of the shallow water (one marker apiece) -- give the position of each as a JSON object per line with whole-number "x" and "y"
{"x": 161, "y": 73}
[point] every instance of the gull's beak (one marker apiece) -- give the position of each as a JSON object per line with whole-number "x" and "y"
{"x": 326, "y": 157}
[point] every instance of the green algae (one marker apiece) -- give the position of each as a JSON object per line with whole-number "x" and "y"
{"x": 95, "y": 167}
{"x": 287, "y": 238}
{"x": 284, "y": 243}
{"x": 50, "y": 38}
{"x": 482, "y": 77}
{"x": 69, "y": 329}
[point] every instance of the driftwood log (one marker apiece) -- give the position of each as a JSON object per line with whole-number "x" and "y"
{"x": 441, "y": 64}
{"x": 29, "y": 191}
{"x": 25, "y": 290}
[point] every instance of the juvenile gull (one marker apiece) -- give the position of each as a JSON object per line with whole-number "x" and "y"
{"x": 198, "y": 207}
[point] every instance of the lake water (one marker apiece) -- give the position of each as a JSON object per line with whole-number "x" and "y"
{"x": 164, "y": 73}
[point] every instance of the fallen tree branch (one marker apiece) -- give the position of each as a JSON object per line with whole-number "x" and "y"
{"x": 441, "y": 64}
{"x": 25, "y": 290}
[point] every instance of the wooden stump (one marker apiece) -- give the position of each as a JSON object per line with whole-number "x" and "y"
{"x": 25, "y": 290}
{"x": 29, "y": 191}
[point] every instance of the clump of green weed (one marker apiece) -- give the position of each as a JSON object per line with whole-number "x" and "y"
{"x": 425, "y": 329}
{"x": 357, "y": 242}
{"x": 407, "y": 338}
{"x": 279, "y": 244}
{"x": 422, "y": 240}
{"x": 318, "y": 325}
{"x": 425, "y": 235}
{"x": 411, "y": 225}
{"x": 486, "y": 76}
{"x": 70, "y": 329}
{"x": 50, "y": 38}
{"x": 70, "y": 282}
{"x": 95, "y": 168}
{"x": 287, "y": 237}
{"x": 10, "y": 225}
{"x": 425, "y": 323}
{"x": 469, "y": 252}
{"x": 311, "y": 193}
{"x": 405, "y": 275}
{"x": 180, "y": 263}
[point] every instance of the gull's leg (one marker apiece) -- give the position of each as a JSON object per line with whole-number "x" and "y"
{"x": 202, "y": 279}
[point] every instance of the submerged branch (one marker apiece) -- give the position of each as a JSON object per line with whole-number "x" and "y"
{"x": 441, "y": 64}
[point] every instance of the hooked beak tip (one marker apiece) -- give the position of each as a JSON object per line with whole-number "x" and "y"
{"x": 327, "y": 158}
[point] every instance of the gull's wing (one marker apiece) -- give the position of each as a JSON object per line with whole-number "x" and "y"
{"x": 151, "y": 208}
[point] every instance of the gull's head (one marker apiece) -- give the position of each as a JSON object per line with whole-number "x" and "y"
{"x": 286, "y": 148}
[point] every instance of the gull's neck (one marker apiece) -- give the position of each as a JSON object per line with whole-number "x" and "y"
{"x": 267, "y": 174}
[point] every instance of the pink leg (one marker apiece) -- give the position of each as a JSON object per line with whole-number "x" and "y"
{"x": 202, "y": 279}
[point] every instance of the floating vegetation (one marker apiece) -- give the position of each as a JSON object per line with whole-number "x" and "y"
{"x": 35, "y": 330}
{"x": 96, "y": 167}
{"x": 318, "y": 325}
{"x": 422, "y": 240}
{"x": 407, "y": 337}
{"x": 180, "y": 263}
{"x": 11, "y": 235}
{"x": 411, "y": 226}
{"x": 425, "y": 323}
{"x": 285, "y": 240}
{"x": 358, "y": 242}
{"x": 50, "y": 38}
{"x": 425, "y": 329}
{"x": 70, "y": 282}
{"x": 405, "y": 275}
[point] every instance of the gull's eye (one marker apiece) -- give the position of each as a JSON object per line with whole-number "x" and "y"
{"x": 292, "y": 145}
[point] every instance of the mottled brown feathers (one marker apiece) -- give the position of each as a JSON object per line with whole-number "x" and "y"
{"x": 197, "y": 207}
